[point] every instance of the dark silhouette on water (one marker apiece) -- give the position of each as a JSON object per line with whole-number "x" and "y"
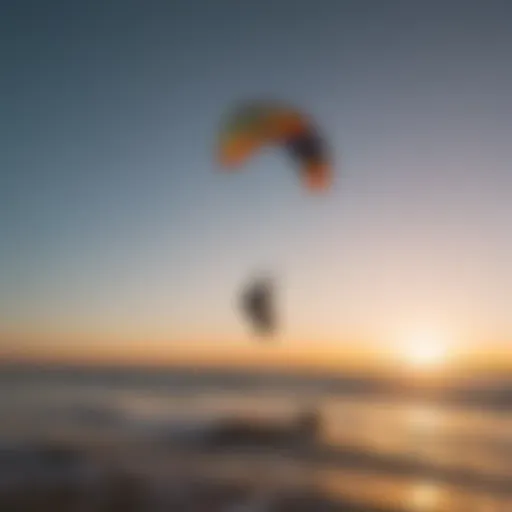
{"x": 249, "y": 432}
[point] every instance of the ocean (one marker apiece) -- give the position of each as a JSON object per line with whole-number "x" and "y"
{"x": 379, "y": 445}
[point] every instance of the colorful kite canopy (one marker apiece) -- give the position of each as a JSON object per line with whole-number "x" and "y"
{"x": 257, "y": 124}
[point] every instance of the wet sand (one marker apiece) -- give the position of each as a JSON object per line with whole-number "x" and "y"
{"x": 125, "y": 493}
{"x": 148, "y": 448}
{"x": 121, "y": 475}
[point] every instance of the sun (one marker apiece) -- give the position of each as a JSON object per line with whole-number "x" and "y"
{"x": 424, "y": 351}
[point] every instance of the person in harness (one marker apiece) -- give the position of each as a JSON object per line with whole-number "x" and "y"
{"x": 258, "y": 305}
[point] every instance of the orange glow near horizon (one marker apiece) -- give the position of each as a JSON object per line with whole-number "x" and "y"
{"x": 418, "y": 354}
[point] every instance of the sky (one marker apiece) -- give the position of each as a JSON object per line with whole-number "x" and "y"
{"x": 119, "y": 233}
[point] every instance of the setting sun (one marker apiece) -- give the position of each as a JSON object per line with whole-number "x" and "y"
{"x": 424, "y": 351}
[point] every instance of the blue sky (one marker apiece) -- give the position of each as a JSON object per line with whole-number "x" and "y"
{"x": 116, "y": 224}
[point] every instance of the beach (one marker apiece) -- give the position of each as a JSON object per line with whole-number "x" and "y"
{"x": 102, "y": 442}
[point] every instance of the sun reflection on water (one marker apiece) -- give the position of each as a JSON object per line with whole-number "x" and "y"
{"x": 425, "y": 497}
